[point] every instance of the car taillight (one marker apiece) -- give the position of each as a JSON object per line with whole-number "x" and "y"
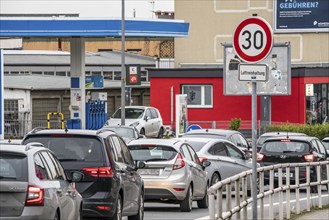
{"x": 34, "y": 196}
{"x": 179, "y": 163}
{"x": 260, "y": 157}
{"x": 309, "y": 157}
{"x": 99, "y": 171}
{"x": 201, "y": 159}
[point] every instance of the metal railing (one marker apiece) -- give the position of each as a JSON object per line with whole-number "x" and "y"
{"x": 233, "y": 185}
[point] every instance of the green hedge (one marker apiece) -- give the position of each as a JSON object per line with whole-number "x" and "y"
{"x": 318, "y": 130}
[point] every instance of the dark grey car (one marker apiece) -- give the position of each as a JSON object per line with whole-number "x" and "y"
{"x": 33, "y": 185}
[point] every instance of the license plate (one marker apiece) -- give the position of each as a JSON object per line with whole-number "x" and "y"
{"x": 283, "y": 174}
{"x": 149, "y": 171}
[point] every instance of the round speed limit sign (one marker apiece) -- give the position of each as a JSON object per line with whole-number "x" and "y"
{"x": 253, "y": 39}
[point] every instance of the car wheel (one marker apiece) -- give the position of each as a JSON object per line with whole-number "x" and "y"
{"x": 142, "y": 131}
{"x": 160, "y": 134}
{"x": 186, "y": 204}
{"x": 203, "y": 203}
{"x": 140, "y": 214}
{"x": 118, "y": 211}
{"x": 214, "y": 179}
{"x": 56, "y": 216}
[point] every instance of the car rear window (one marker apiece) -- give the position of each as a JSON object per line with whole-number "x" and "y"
{"x": 71, "y": 148}
{"x": 152, "y": 152}
{"x": 196, "y": 145}
{"x": 286, "y": 146}
{"x": 13, "y": 167}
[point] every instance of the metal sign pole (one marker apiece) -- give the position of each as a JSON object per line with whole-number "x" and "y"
{"x": 123, "y": 82}
{"x": 254, "y": 153}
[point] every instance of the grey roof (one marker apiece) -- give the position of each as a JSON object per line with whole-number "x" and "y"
{"x": 108, "y": 58}
{"x": 36, "y": 82}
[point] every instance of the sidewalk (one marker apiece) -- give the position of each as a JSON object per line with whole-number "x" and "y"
{"x": 315, "y": 215}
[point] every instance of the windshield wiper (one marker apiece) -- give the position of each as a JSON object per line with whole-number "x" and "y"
{"x": 156, "y": 159}
{"x": 71, "y": 159}
{"x": 8, "y": 177}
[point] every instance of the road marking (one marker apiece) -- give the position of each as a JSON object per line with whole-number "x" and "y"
{"x": 274, "y": 204}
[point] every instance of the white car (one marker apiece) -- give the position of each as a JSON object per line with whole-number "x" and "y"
{"x": 147, "y": 120}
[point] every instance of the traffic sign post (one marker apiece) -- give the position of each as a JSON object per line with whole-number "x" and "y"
{"x": 252, "y": 42}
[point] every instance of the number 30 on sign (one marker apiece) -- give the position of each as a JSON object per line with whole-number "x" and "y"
{"x": 253, "y": 39}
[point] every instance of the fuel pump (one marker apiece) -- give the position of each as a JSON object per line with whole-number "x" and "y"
{"x": 96, "y": 110}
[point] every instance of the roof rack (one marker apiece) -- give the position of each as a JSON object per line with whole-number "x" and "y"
{"x": 33, "y": 144}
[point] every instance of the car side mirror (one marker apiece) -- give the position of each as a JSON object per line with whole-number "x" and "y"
{"x": 140, "y": 164}
{"x": 141, "y": 136}
{"x": 206, "y": 163}
{"x": 147, "y": 118}
{"x": 77, "y": 176}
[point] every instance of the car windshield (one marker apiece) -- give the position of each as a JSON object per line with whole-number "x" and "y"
{"x": 13, "y": 167}
{"x": 71, "y": 148}
{"x": 152, "y": 152}
{"x": 286, "y": 147}
{"x": 124, "y": 132}
{"x": 130, "y": 113}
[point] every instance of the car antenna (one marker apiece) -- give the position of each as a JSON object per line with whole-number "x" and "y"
{"x": 66, "y": 130}
{"x": 287, "y": 135}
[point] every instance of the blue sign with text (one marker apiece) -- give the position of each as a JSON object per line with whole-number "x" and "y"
{"x": 193, "y": 127}
{"x": 94, "y": 82}
{"x": 301, "y": 16}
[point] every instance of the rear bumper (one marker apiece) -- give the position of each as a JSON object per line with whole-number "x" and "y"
{"x": 33, "y": 213}
{"x": 90, "y": 205}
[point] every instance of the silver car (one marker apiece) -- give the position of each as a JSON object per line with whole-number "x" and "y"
{"x": 226, "y": 159}
{"x": 173, "y": 172}
{"x": 33, "y": 185}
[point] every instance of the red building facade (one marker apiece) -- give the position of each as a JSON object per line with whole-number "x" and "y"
{"x": 166, "y": 83}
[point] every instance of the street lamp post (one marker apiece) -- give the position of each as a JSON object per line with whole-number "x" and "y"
{"x": 123, "y": 63}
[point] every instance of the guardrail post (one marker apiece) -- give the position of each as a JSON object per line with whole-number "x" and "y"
{"x": 280, "y": 194}
{"x": 297, "y": 189}
{"x": 244, "y": 195}
{"x": 212, "y": 207}
{"x": 288, "y": 191}
{"x": 271, "y": 195}
{"x": 318, "y": 174}
{"x": 237, "y": 196}
{"x": 220, "y": 203}
{"x": 228, "y": 198}
{"x": 327, "y": 166}
{"x": 308, "y": 189}
{"x": 261, "y": 190}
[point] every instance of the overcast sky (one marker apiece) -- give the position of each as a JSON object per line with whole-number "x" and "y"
{"x": 87, "y": 8}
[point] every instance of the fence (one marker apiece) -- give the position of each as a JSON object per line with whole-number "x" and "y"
{"x": 233, "y": 185}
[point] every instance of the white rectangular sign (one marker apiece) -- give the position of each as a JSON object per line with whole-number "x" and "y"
{"x": 253, "y": 72}
{"x": 309, "y": 90}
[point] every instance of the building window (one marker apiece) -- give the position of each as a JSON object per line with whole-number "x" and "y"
{"x": 61, "y": 73}
{"x": 108, "y": 75}
{"x": 49, "y": 73}
{"x": 117, "y": 75}
{"x": 198, "y": 96}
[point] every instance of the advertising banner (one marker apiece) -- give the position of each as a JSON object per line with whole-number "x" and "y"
{"x": 295, "y": 16}
{"x": 181, "y": 114}
{"x": 1, "y": 97}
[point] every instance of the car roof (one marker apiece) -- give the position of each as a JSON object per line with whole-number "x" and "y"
{"x": 117, "y": 126}
{"x": 281, "y": 133}
{"x": 137, "y": 106}
{"x": 294, "y": 138}
{"x": 220, "y": 132}
{"x": 70, "y": 131}
{"x": 23, "y": 149}
{"x": 201, "y": 139}
{"x": 173, "y": 142}
{"x": 325, "y": 139}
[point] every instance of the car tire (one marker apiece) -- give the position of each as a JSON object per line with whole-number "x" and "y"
{"x": 56, "y": 217}
{"x": 204, "y": 202}
{"x": 118, "y": 210}
{"x": 186, "y": 204}
{"x": 140, "y": 213}
{"x": 214, "y": 179}
{"x": 160, "y": 134}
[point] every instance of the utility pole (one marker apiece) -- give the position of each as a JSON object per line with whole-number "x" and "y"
{"x": 123, "y": 100}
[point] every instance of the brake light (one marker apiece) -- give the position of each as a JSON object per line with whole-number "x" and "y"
{"x": 260, "y": 157}
{"x": 103, "y": 207}
{"x": 179, "y": 163}
{"x": 201, "y": 159}
{"x": 34, "y": 196}
{"x": 179, "y": 189}
{"x": 99, "y": 171}
{"x": 309, "y": 157}
{"x": 285, "y": 140}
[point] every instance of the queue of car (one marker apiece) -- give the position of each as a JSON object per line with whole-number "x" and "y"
{"x": 111, "y": 172}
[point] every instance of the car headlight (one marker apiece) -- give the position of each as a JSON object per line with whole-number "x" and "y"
{"x": 135, "y": 124}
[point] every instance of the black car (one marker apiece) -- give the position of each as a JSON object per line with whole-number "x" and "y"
{"x": 292, "y": 149}
{"x": 111, "y": 187}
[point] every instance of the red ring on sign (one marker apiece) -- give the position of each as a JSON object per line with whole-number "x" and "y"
{"x": 269, "y": 42}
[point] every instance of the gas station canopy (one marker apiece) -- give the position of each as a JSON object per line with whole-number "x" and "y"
{"x": 82, "y": 27}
